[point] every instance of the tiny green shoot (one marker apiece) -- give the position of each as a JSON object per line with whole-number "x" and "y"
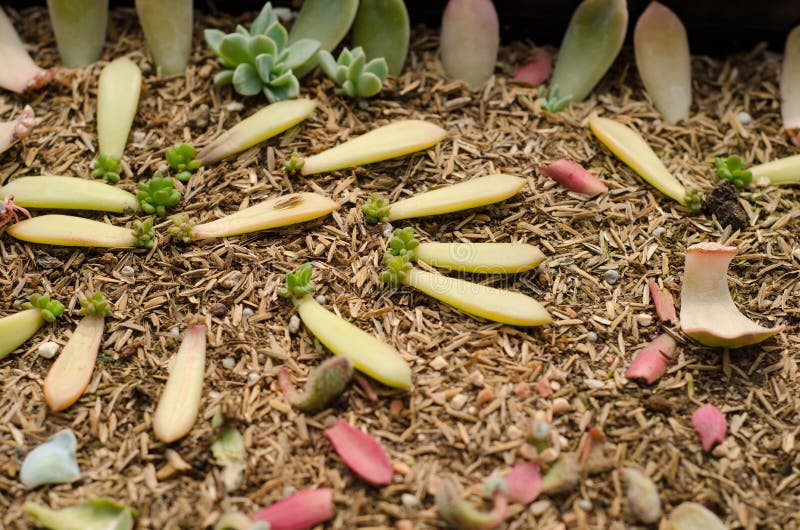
{"x": 376, "y": 210}
{"x": 106, "y": 167}
{"x": 294, "y": 164}
{"x": 298, "y": 283}
{"x": 732, "y": 169}
{"x": 157, "y": 195}
{"x": 143, "y": 234}
{"x": 182, "y": 158}
{"x": 553, "y": 102}
{"x": 49, "y": 309}
{"x": 694, "y": 200}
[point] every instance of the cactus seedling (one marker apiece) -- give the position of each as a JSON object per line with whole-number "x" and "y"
{"x": 158, "y": 194}
{"x": 261, "y": 60}
{"x": 732, "y": 169}
{"x": 17, "y": 328}
{"x": 182, "y": 159}
{"x": 107, "y": 168}
{"x": 352, "y": 73}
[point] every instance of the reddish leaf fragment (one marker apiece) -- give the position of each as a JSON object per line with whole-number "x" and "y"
{"x": 710, "y": 424}
{"x": 537, "y": 71}
{"x": 573, "y": 177}
{"x": 651, "y": 363}
{"x": 299, "y": 511}
{"x": 524, "y": 483}
{"x": 362, "y": 453}
{"x": 662, "y": 299}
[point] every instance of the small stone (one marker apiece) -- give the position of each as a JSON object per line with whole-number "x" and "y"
{"x": 219, "y": 310}
{"x": 539, "y": 507}
{"x": 593, "y": 384}
{"x": 388, "y": 230}
{"x": 228, "y": 363}
{"x": 476, "y": 378}
{"x": 560, "y": 405}
{"x": 138, "y": 137}
{"x": 234, "y": 106}
{"x": 744, "y": 118}
{"x": 48, "y": 349}
{"x": 231, "y": 280}
{"x": 440, "y": 398}
{"x": 252, "y": 377}
{"x": 247, "y": 312}
{"x": 409, "y": 500}
{"x": 585, "y": 505}
{"x": 127, "y": 270}
{"x": 543, "y": 387}
{"x": 294, "y": 324}
{"x": 458, "y": 401}
{"x": 485, "y": 395}
{"x": 439, "y": 363}
{"x": 321, "y": 299}
{"x": 644, "y": 319}
{"x": 591, "y": 336}
{"x": 659, "y": 231}
{"x": 199, "y": 120}
{"x": 163, "y": 168}
{"x": 522, "y": 389}
{"x": 611, "y": 276}
{"x": 401, "y": 468}
{"x": 175, "y": 331}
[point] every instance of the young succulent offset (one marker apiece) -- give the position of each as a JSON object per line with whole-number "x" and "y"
{"x": 732, "y": 169}
{"x": 182, "y": 158}
{"x": 294, "y": 164}
{"x": 261, "y": 59}
{"x": 326, "y": 383}
{"x": 17, "y": 328}
{"x": 694, "y": 200}
{"x": 9, "y": 210}
{"x": 460, "y": 514}
{"x": 158, "y": 194}
{"x": 50, "y": 309}
{"x": 107, "y": 168}
{"x": 355, "y": 76}
{"x": 71, "y": 231}
{"x": 551, "y": 100}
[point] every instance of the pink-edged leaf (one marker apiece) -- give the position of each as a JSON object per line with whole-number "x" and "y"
{"x": 537, "y": 70}
{"x": 469, "y": 40}
{"x": 298, "y": 511}
{"x": 524, "y": 483}
{"x": 361, "y": 452}
{"x": 651, "y": 363}
{"x": 573, "y": 177}
{"x": 710, "y": 424}
{"x": 664, "y": 302}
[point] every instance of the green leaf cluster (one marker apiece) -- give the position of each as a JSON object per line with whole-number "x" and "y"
{"x": 552, "y": 101}
{"x": 404, "y": 242}
{"x": 694, "y": 200}
{"x": 50, "y": 309}
{"x": 260, "y": 60}
{"x": 732, "y": 169}
{"x": 97, "y": 305}
{"x": 352, "y": 73}
{"x": 376, "y": 210}
{"x": 158, "y": 194}
{"x": 294, "y": 164}
{"x": 143, "y": 233}
{"x": 298, "y": 283}
{"x": 396, "y": 267}
{"x": 181, "y": 229}
{"x": 182, "y": 159}
{"x": 106, "y": 167}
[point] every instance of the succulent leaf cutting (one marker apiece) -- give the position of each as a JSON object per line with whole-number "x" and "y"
{"x": 182, "y": 158}
{"x": 107, "y": 168}
{"x": 261, "y": 59}
{"x": 352, "y": 73}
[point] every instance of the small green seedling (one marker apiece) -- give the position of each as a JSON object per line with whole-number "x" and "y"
{"x": 182, "y": 158}
{"x": 352, "y": 73}
{"x": 552, "y": 102}
{"x": 377, "y": 210}
{"x": 71, "y": 231}
{"x": 106, "y": 167}
{"x": 17, "y": 328}
{"x": 157, "y": 195}
{"x": 732, "y": 169}
{"x": 694, "y": 200}
{"x": 294, "y": 164}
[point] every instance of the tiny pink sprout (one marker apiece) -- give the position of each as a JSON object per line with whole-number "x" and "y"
{"x": 710, "y": 424}
{"x": 8, "y": 211}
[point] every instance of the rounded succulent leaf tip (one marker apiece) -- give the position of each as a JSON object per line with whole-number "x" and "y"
{"x": 96, "y": 305}
{"x": 49, "y": 309}
{"x": 298, "y": 283}
{"x": 354, "y": 76}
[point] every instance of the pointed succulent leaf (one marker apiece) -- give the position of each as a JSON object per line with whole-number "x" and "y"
{"x": 298, "y": 511}
{"x": 361, "y": 452}
{"x": 246, "y": 80}
{"x": 261, "y": 44}
{"x": 328, "y": 64}
{"x": 266, "y": 18}
{"x": 234, "y": 49}
{"x": 300, "y": 53}
{"x": 278, "y": 34}
{"x": 281, "y": 79}
{"x": 214, "y": 39}
{"x": 356, "y": 67}
{"x": 345, "y": 57}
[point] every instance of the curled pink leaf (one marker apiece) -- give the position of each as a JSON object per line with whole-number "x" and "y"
{"x": 361, "y": 452}
{"x": 710, "y": 424}
{"x": 573, "y": 177}
{"x": 524, "y": 483}
{"x": 651, "y": 363}
{"x": 663, "y": 301}
{"x": 537, "y": 70}
{"x": 298, "y": 511}
{"x": 460, "y": 514}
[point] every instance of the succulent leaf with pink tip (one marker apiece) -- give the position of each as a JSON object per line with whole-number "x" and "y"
{"x": 299, "y": 511}
{"x": 651, "y": 363}
{"x": 573, "y": 177}
{"x": 710, "y": 424}
{"x": 361, "y": 452}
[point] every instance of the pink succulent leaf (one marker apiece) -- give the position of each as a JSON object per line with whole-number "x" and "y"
{"x": 298, "y": 511}
{"x": 524, "y": 483}
{"x": 651, "y": 363}
{"x": 663, "y": 301}
{"x": 710, "y": 424}
{"x": 537, "y": 70}
{"x": 361, "y": 453}
{"x": 461, "y": 515}
{"x": 573, "y": 177}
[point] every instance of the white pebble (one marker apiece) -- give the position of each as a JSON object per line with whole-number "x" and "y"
{"x": 231, "y": 280}
{"x": 234, "y": 106}
{"x": 591, "y": 336}
{"x": 458, "y": 401}
{"x": 321, "y": 299}
{"x": 659, "y": 231}
{"x": 644, "y": 319}
{"x": 294, "y": 324}
{"x": 611, "y": 276}
{"x": 476, "y": 378}
{"x": 247, "y": 312}
{"x": 585, "y": 505}
{"x": 594, "y": 384}
{"x": 252, "y": 377}
{"x": 175, "y": 331}
{"x": 388, "y": 230}
{"x": 48, "y": 349}
{"x": 539, "y": 507}
{"x": 228, "y": 363}
{"x": 138, "y": 137}
{"x": 163, "y": 168}
{"x": 438, "y": 363}
{"x": 744, "y": 118}
{"x": 127, "y": 270}
{"x": 409, "y": 500}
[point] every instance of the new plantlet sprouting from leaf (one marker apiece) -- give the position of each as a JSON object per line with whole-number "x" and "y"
{"x": 475, "y": 299}
{"x": 294, "y": 164}
{"x": 326, "y": 383}
{"x": 9, "y": 210}
{"x": 55, "y": 192}
{"x": 732, "y": 169}
{"x": 182, "y": 158}
{"x": 368, "y": 354}
{"x": 551, "y": 100}
{"x": 694, "y": 200}
{"x": 72, "y": 371}
{"x": 107, "y": 168}
{"x": 157, "y": 195}
{"x": 17, "y": 328}
{"x": 352, "y": 73}
{"x": 261, "y": 60}
{"x": 70, "y": 231}
{"x": 460, "y": 514}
